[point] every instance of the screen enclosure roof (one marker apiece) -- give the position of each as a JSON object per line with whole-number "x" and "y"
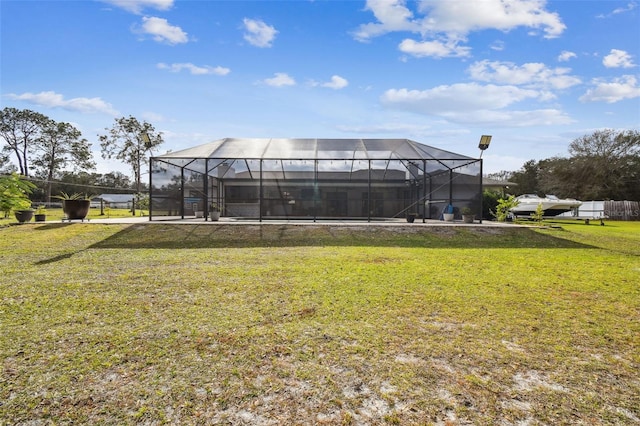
{"x": 313, "y": 149}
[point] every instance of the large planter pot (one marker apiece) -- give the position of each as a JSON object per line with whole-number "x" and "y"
{"x": 214, "y": 216}
{"x": 76, "y": 209}
{"x": 448, "y": 217}
{"x": 468, "y": 218}
{"x": 411, "y": 217}
{"x": 23, "y": 216}
{"x": 40, "y": 217}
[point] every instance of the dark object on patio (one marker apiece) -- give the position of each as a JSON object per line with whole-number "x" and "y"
{"x": 76, "y": 209}
{"x": 23, "y": 216}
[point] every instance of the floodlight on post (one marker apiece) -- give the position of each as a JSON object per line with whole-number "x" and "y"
{"x": 485, "y": 140}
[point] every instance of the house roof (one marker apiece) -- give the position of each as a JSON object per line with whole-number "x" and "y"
{"x": 495, "y": 183}
{"x": 115, "y": 198}
{"x": 312, "y": 149}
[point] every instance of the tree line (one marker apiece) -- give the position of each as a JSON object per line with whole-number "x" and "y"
{"x": 56, "y": 156}
{"x": 604, "y": 165}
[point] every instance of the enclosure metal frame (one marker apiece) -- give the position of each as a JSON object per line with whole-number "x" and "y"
{"x": 422, "y": 181}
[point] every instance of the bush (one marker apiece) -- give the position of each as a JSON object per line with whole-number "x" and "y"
{"x": 503, "y": 207}
{"x": 489, "y": 202}
{"x": 14, "y": 193}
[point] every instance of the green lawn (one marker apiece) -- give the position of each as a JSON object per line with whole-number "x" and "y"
{"x": 54, "y": 215}
{"x": 261, "y": 325}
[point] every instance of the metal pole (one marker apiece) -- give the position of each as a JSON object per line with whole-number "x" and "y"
{"x": 150, "y": 187}
{"x": 205, "y": 184}
{"x": 182, "y": 192}
{"x": 450, "y": 186}
{"x": 424, "y": 190}
{"x": 481, "y": 188}
{"x": 260, "y": 194}
{"x": 369, "y": 192}
{"x": 316, "y": 189}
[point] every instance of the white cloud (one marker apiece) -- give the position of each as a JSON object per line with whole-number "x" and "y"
{"x": 506, "y": 118}
{"x": 497, "y": 45}
{"x": 433, "y": 48}
{"x": 279, "y": 80}
{"x": 336, "y": 83}
{"x": 531, "y": 74}
{"x": 392, "y": 15}
{"x": 565, "y": 56}
{"x": 194, "y": 69}
{"x": 630, "y": 6}
{"x": 162, "y": 31}
{"x": 625, "y": 87}
{"x": 52, "y": 99}
{"x": 473, "y": 103}
{"x": 457, "y": 97}
{"x": 153, "y": 117}
{"x": 453, "y": 21}
{"x": 464, "y": 17}
{"x": 258, "y": 33}
{"x": 618, "y": 59}
{"x": 136, "y": 6}
{"x": 390, "y": 128}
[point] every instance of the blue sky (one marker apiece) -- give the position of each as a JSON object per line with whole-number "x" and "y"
{"x": 534, "y": 74}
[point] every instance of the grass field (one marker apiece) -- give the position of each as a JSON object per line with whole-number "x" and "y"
{"x": 57, "y": 215}
{"x": 261, "y": 325}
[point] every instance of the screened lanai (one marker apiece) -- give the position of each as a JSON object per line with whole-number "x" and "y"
{"x": 371, "y": 179}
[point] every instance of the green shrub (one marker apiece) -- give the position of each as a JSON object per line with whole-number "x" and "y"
{"x": 14, "y": 193}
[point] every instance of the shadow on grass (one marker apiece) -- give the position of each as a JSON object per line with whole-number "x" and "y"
{"x": 229, "y": 236}
{"x": 55, "y": 259}
{"x": 50, "y": 226}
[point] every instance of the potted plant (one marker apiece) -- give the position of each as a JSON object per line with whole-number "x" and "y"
{"x": 41, "y": 214}
{"x": 75, "y": 206}
{"x": 23, "y": 211}
{"x": 411, "y": 217}
{"x": 214, "y": 213}
{"x": 14, "y": 196}
{"x": 448, "y": 213}
{"x": 467, "y": 215}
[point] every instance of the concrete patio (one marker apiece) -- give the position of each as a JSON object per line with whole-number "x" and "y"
{"x": 176, "y": 220}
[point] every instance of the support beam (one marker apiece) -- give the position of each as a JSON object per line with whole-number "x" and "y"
{"x": 182, "y": 192}
{"x": 451, "y": 186}
{"x": 150, "y": 190}
{"x": 316, "y": 188}
{"x": 369, "y": 192}
{"x": 481, "y": 193}
{"x": 424, "y": 190}
{"x": 261, "y": 194}
{"x": 205, "y": 185}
